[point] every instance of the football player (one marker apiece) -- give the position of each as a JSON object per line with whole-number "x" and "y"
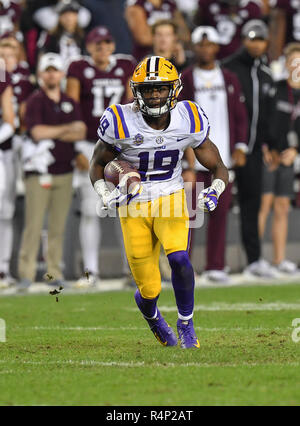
{"x": 152, "y": 134}
{"x": 95, "y": 81}
{"x": 19, "y": 74}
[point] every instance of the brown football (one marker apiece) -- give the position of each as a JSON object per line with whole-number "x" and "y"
{"x": 124, "y": 174}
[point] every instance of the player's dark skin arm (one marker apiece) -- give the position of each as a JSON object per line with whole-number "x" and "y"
{"x": 103, "y": 154}
{"x": 208, "y": 155}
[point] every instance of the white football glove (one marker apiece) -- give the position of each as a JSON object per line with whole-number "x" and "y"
{"x": 208, "y": 198}
{"x": 115, "y": 198}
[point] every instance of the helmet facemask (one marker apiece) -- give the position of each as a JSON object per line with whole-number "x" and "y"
{"x": 166, "y": 103}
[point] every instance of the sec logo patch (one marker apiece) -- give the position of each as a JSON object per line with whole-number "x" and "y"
{"x": 159, "y": 140}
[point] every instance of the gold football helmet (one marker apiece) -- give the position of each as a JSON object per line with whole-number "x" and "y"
{"x": 154, "y": 71}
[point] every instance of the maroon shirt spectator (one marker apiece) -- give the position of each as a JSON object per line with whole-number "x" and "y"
{"x": 95, "y": 81}
{"x": 228, "y": 20}
{"x": 142, "y": 14}
{"x": 238, "y": 131}
{"x": 238, "y": 121}
{"x": 99, "y": 89}
{"x": 10, "y": 14}
{"x": 22, "y": 89}
{"x": 54, "y": 123}
{"x": 42, "y": 110}
{"x": 20, "y": 80}
{"x": 19, "y": 75}
{"x": 218, "y": 92}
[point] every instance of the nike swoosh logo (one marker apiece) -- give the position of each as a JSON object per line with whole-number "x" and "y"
{"x": 197, "y": 345}
{"x": 180, "y": 139}
{"x": 160, "y": 341}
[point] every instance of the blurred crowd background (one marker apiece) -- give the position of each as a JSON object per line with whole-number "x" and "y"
{"x": 63, "y": 62}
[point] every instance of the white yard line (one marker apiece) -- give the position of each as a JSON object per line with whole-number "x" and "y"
{"x": 93, "y": 363}
{"x": 77, "y": 363}
{"x": 222, "y": 306}
{"x": 103, "y": 328}
{"x": 97, "y": 328}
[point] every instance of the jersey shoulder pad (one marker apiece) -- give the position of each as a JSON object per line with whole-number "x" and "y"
{"x": 194, "y": 115}
{"x": 116, "y": 117}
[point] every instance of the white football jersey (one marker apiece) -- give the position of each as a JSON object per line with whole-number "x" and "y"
{"x": 157, "y": 154}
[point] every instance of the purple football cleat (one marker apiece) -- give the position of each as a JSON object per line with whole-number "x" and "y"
{"x": 162, "y": 331}
{"x": 187, "y": 335}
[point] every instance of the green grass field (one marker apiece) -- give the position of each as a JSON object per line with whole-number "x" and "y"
{"x": 95, "y": 349}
